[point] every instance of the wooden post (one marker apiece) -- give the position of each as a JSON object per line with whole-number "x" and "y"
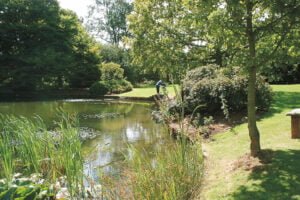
{"x": 295, "y": 123}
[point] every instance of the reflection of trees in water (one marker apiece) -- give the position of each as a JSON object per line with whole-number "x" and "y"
{"x": 134, "y": 127}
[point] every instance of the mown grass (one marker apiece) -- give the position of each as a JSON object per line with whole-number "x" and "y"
{"x": 147, "y": 92}
{"x": 279, "y": 179}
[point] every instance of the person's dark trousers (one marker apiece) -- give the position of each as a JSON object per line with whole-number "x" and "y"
{"x": 157, "y": 89}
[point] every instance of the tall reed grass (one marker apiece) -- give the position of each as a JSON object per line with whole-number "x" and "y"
{"x": 26, "y": 146}
{"x": 175, "y": 173}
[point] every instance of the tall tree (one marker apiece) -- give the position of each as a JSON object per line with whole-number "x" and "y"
{"x": 172, "y": 35}
{"x": 253, "y": 23}
{"x": 166, "y": 36}
{"x": 27, "y": 30}
{"x": 107, "y": 20}
{"x": 43, "y": 46}
{"x": 83, "y": 69}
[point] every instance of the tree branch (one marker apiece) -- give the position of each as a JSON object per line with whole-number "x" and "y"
{"x": 272, "y": 23}
{"x": 278, "y": 44}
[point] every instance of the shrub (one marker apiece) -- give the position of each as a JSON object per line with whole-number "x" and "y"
{"x": 113, "y": 78}
{"x": 118, "y": 86}
{"x": 111, "y": 71}
{"x": 125, "y": 85}
{"x": 222, "y": 89}
{"x": 83, "y": 76}
{"x": 282, "y": 73}
{"x": 99, "y": 88}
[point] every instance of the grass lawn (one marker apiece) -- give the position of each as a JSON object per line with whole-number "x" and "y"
{"x": 278, "y": 180}
{"x": 147, "y": 92}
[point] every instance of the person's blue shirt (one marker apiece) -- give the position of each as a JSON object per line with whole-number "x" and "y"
{"x": 159, "y": 83}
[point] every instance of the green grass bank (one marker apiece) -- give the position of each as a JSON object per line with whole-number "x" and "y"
{"x": 230, "y": 176}
{"x": 147, "y": 92}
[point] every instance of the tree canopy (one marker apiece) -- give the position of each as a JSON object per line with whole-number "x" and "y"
{"x": 167, "y": 36}
{"x": 44, "y": 46}
{"x": 173, "y": 36}
{"x": 107, "y": 20}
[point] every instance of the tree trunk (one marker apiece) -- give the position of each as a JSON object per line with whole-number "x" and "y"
{"x": 253, "y": 130}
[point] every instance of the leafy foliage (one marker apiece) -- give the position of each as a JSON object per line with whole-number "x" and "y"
{"x": 121, "y": 56}
{"x": 43, "y": 46}
{"x": 282, "y": 73}
{"x": 112, "y": 80}
{"x": 98, "y": 89}
{"x": 107, "y": 20}
{"x": 111, "y": 71}
{"x": 245, "y": 33}
{"x": 119, "y": 86}
{"x": 25, "y": 189}
{"x": 222, "y": 89}
{"x": 166, "y": 35}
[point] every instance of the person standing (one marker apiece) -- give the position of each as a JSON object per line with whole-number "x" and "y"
{"x": 158, "y": 84}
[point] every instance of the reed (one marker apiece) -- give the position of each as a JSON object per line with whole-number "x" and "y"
{"x": 6, "y": 156}
{"x": 175, "y": 173}
{"x": 71, "y": 156}
{"x": 26, "y": 146}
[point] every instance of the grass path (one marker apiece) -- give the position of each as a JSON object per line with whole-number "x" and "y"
{"x": 278, "y": 180}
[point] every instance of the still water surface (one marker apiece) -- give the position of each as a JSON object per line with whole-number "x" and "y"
{"x": 118, "y": 125}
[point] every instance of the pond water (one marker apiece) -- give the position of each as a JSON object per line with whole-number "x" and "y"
{"x": 118, "y": 125}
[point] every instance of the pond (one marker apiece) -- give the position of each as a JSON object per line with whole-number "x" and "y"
{"x": 117, "y": 125}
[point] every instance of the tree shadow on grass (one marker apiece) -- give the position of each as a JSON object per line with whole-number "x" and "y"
{"x": 283, "y": 101}
{"x": 278, "y": 180}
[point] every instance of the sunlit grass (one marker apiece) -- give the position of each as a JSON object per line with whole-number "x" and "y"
{"x": 269, "y": 183}
{"x": 147, "y": 92}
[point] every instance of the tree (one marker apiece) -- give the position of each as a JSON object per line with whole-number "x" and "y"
{"x": 285, "y": 67}
{"x": 121, "y": 56}
{"x": 83, "y": 70}
{"x": 43, "y": 46}
{"x": 172, "y": 36}
{"x": 107, "y": 20}
{"x": 166, "y": 37}
{"x": 27, "y": 32}
{"x": 253, "y": 23}
{"x": 112, "y": 75}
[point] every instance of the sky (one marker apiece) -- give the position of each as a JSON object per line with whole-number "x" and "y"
{"x": 80, "y": 7}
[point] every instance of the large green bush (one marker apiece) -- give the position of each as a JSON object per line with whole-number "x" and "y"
{"x": 112, "y": 76}
{"x": 111, "y": 71}
{"x": 118, "y": 86}
{"x": 98, "y": 89}
{"x": 222, "y": 89}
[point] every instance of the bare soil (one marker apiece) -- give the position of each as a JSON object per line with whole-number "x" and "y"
{"x": 247, "y": 162}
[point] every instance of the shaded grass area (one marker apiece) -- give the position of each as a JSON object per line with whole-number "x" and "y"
{"x": 147, "y": 92}
{"x": 279, "y": 179}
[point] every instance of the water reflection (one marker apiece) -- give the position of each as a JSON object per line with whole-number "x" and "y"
{"x": 118, "y": 125}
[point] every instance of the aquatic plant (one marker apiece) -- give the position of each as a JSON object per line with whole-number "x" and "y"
{"x": 175, "y": 173}
{"x": 26, "y": 146}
